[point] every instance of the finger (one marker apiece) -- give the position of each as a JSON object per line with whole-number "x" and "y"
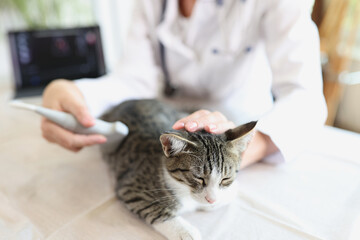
{"x": 69, "y": 140}
{"x": 201, "y": 122}
{"x": 74, "y": 142}
{"x": 180, "y": 124}
{"x": 220, "y": 127}
{"x": 80, "y": 111}
{"x": 53, "y": 105}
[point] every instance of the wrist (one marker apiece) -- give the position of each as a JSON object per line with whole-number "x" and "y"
{"x": 258, "y": 148}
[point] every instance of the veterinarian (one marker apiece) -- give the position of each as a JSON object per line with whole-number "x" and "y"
{"x": 242, "y": 60}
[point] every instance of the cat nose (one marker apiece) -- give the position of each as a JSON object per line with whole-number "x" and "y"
{"x": 210, "y": 200}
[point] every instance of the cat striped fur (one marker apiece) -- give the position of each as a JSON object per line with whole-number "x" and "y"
{"x": 157, "y": 169}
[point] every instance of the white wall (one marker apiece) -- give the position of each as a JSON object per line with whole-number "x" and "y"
{"x": 8, "y": 21}
{"x": 348, "y": 116}
{"x": 4, "y": 64}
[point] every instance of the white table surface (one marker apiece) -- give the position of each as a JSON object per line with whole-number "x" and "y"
{"x": 47, "y": 192}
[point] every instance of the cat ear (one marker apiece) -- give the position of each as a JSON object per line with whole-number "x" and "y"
{"x": 239, "y": 137}
{"x": 173, "y": 144}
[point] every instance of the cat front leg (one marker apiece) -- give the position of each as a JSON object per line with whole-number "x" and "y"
{"x": 177, "y": 229}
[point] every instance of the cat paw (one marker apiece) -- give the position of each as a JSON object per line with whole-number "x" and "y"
{"x": 178, "y": 229}
{"x": 188, "y": 234}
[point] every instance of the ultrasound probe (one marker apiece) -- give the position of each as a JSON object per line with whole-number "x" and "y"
{"x": 113, "y": 131}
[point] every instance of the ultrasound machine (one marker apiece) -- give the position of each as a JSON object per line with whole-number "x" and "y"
{"x": 40, "y": 56}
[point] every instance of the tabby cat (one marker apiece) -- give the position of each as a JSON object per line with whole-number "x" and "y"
{"x": 159, "y": 180}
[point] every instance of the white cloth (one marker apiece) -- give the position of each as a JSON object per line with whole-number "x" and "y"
{"x": 49, "y": 193}
{"x": 236, "y": 57}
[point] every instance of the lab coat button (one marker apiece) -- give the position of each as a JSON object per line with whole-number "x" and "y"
{"x": 215, "y": 51}
{"x": 248, "y": 49}
{"x": 219, "y": 2}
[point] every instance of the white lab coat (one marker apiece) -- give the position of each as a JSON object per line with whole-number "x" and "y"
{"x": 250, "y": 59}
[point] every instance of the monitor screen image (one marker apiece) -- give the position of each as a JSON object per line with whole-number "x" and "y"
{"x": 40, "y": 56}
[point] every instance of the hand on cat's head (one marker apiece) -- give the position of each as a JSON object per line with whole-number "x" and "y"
{"x": 212, "y": 122}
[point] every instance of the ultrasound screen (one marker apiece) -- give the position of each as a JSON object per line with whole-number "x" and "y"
{"x": 44, "y": 55}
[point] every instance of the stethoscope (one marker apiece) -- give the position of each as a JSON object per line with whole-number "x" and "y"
{"x": 169, "y": 88}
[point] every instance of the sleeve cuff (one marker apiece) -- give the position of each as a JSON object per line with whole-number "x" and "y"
{"x": 288, "y": 145}
{"x": 90, "y": 89}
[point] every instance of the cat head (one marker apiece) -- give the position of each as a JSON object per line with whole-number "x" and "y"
{"x": 205, "y": 164}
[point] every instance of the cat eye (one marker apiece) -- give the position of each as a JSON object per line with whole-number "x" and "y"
{"x": 200, "y": 181}
{"x": 226, "y": 182}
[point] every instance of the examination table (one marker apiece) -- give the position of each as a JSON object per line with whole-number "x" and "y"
{"x": 47, "y": 192}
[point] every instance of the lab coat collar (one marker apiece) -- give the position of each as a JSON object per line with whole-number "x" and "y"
{"x": 166, "y": 31}
{"x": 204, "y": 12}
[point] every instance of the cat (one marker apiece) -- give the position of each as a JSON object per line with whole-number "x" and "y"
{"x": 162, "y": 173}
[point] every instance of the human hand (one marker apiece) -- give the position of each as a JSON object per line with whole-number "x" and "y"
{"x": 64, "y": 96}
{"x": 212, "y": 122}
{"x": 259, "y": 146}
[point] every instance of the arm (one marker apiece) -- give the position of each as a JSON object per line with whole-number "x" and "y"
{"x": 137, "y": 77}
{"x": 137, "y": 74}
{"x": 292, "y": 45}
